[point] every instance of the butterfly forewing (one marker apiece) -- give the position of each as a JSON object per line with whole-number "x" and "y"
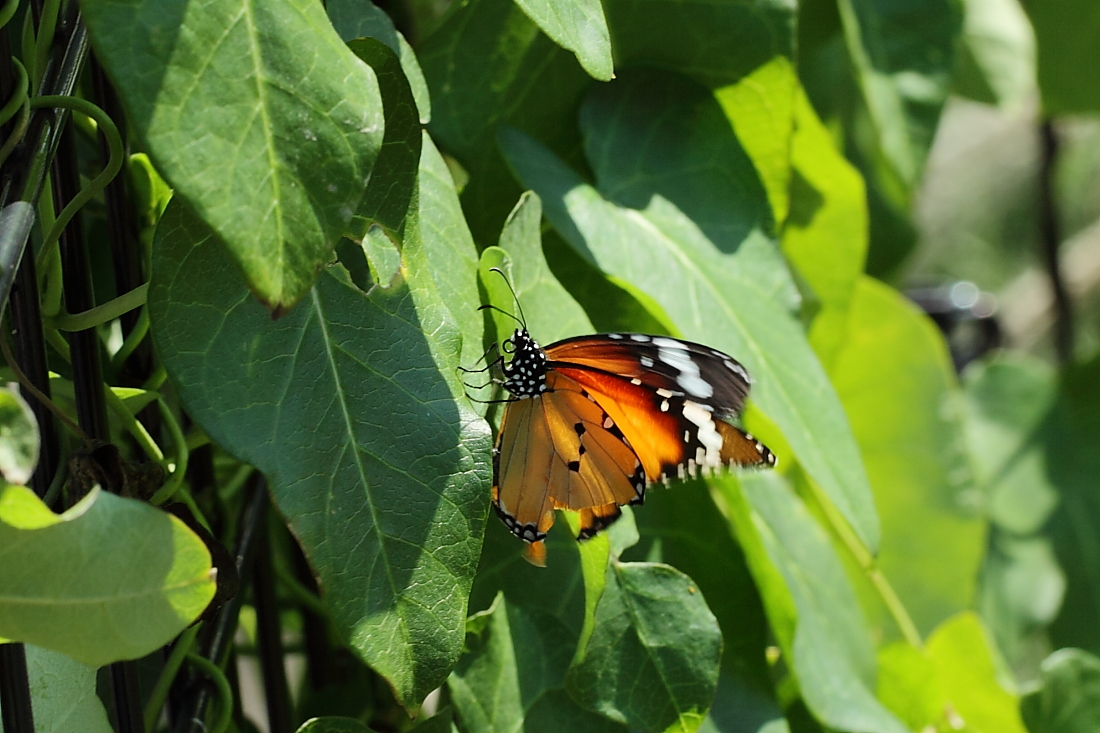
{"x": 699, "y": 373}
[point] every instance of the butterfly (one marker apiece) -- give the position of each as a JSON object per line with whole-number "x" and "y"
{"x": 591, "y": 422}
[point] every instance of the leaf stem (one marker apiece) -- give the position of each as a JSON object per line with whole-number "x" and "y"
{"x": 104, "y": 313}
{"x": 221, "y": 684}
{"x": 869, "y": 566}
{"x": 176, "y": 479}
{"x": 168, "y": 674}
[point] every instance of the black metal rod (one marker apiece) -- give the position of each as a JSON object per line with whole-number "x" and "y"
{"x": 269, "y": 640}
{"x": 1050, "y": 234}
{"x": 218, "y": 635}
{"x": 30, "y": 352}
{"x": 15, "y": 691}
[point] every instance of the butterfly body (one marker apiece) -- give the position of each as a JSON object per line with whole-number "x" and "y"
{"x": 592, "y": 421}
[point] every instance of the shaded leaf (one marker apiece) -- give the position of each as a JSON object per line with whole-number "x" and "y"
{"x": 1009, "y": 400}
{"x": 104, "y": 607}
{"x": 576, "y": 25}
{"x": 910, "y": 435}
{"x": 996, "y": 59}
{"x": 903, "y": 54}
{"x": 652, "y": 661}
{"x": 19, "y": 439}
{"x": 511, "y": 674}
{"x": 1067, "y": 33}
{"x": 1068, "y": 700}
{"x": 709, "y": 264}
{"x": 63, "y": 694}
{"x": 393, "y": 180}
{"x": 363, "y": 19}
{"x": 352, "y": 407}
{"x": 257, "y": 115}
{"x": 810, "y": 604}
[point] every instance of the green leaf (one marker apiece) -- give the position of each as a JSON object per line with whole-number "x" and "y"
{"x": 966, "y": 665}
{"x": 393, "y": 180}
{"x": 1067, "y": 33}
{"x": 363, "y": 19}
{"x": 1073, "y": 463}
{"x": 684, "y": 528}
{"x": 511, "y": 674}
{"x": 63, "y": 694}
{"x": 352, "y": 407}
{"x": 105, "y": 607}
{"x": 652, "y": 661}
{"x": 1009, "y": 399}
{"x": 685, "y": 221}
{"x": 554, "y": 314}
{"x": 825, "y": 237}
{"x": 576, "y": 25}
{"x": 449, "y": 253}
{"x": 761, "y": 109}
{"x": 1068, "y": 700}
{"x": 257, "y": 115}
{"x": 684, "y": 36}
{"x": 333, "y": 724}
{"x": 903, "y": 54}
{"x": 996, "y": 60}
{"x": 19, "y": 440}
{"x": 810, "y": 604}
{"x": 910, "y": 435}
{"x": 488, "y": 66}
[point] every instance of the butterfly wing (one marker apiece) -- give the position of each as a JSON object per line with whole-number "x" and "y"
{"x": 673, "y": 436}
{"x": 699, "y": 373}
{"x": 562, "y": 450}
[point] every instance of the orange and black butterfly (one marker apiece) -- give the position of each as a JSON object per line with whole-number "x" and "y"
{"x": 590, "y": 422}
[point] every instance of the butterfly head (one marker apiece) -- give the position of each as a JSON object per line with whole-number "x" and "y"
{"x": 525, "y": 373}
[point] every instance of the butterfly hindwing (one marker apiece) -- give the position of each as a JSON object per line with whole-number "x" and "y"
{"x": 563, "y": 451}
{"x": 699, "y": 373}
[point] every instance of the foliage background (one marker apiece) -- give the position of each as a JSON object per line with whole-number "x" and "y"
{"x": 859, "y": 199}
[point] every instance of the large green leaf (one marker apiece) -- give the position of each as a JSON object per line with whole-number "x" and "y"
{"x": 576, "y": 25}
{"x": 952, "y": 684}
{"x": 825, "y": 237}
{"x": 258, "y": 116}
{"x": 903, "y": 55}
{"x": 512, "y": 671}
{"x": 810, "y": 604}
{"x": 896, "y": 381}
{"x": 653, "y": 660}
{"x": 104, "y": 606}
{"x": 351, "y": 406}
{"x": 19, "y": 441}
{"x": 63, "y": 694}
{"x": 1068, "y": 700}
{"x": 681, "y": 215}
{"x": 1067, "y": 33}
{"x": 996, "y": 59}
{"x": 363, "y": 19}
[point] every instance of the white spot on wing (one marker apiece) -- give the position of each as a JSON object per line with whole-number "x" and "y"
{"x": 676, "y": 356}
{"x": 708, "y": 434}
{"x": 639, "y": 337}
{"x": 646, "y": 362}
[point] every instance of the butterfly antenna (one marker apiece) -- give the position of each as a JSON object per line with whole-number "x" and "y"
{"x": 501, "y": 310}
{"x": 522, "y": 318}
